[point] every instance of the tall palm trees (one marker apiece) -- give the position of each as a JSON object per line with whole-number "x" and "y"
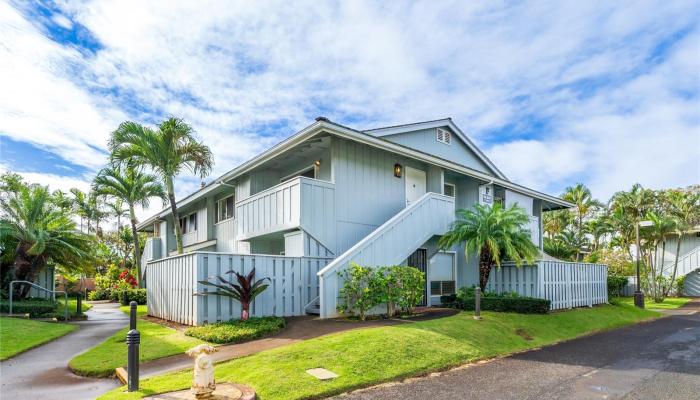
{"x": 134, "y": 188}
{"x": 167, "y": 151}
{"x": 581, "y": 196}
{"x": 40, "y": 231}
{"x": 685, "y": 209}
{"x": 494, "y": 234}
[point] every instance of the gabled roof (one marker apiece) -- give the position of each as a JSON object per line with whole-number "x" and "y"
{"x": 323, "y": 124}
{"x": 438, "y": 123}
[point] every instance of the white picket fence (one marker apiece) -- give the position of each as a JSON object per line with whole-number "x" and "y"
{"x": 565, "y": 284}
{"x": 173, "y": 285}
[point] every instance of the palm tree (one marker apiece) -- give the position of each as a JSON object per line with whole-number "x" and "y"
{"x": 555, "y": 222}
{"x": 655, "y": 235}
{"x": 116, "y": 209}
{"x": 685, "y": 208}
{"x": 598, "y": 228}
{"x": 494, "y": 234}
{"x": 41, "y": 233}
{"x": 581, "y": 196}
{"x": 134, "y": 188}
{"x": 167, "y": 151}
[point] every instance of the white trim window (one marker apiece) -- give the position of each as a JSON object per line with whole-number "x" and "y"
{"x": 449, "y": 189}
{"x": 443, "y": 136}
{"x": 188, "y": 223}
{"x": 223, "y": 209}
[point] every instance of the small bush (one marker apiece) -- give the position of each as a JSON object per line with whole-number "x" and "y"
{"x": 360, "y": 290}
{"x": 100, "y": 294}
{"x": 490, "y": 301}
{"x": 616, "y": 284}
{"x": 33, "y": 307}
{"x": 236, "y": 331}
{"x": 129, "y": 295}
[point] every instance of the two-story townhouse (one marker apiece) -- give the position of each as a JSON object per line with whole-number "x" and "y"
{"x": 329, "y": 195}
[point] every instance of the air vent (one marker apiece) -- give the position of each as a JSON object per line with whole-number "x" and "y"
{"x": 443, "y": 136}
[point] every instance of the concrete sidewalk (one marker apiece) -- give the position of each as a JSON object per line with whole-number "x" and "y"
{"x": 654, "y": 360}
{"x": 42, "y": 373}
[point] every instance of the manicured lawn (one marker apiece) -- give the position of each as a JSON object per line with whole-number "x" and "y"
{"x": 18, "y": 335}
{"x": 157, "y": 341}
{"x": 669, "y": 303}
{"x": 140, "y": 310}
{"x": 369, "y": 356}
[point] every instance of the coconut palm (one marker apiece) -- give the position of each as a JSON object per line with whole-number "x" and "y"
{"x": 494, "y": 234}
{"x": 167, "y": 150}
{"x": 134, "y": 188}
{"x": 40, "y": 232}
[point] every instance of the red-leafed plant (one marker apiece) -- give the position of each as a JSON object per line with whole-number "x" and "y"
{"x": 245, "y": 290}
{"x": 127, "y": 277}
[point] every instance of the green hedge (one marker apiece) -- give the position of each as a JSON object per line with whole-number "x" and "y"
{"x": 616, "y": 284}
{"x": 129, "y": 295}
{"x": 236, "y": 331}
{"x": 521, "y": 305}
{"x": 33, "y": 307}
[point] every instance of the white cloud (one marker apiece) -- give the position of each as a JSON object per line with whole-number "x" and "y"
{"x": 232, "y": 69}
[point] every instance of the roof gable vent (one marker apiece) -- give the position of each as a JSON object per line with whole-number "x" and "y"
{"x": 443, "y": 136}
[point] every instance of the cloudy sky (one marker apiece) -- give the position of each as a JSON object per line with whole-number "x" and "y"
{"x": 604, "y": 93}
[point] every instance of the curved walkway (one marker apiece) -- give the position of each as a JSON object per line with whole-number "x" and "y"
{"x": 42, "y": 373}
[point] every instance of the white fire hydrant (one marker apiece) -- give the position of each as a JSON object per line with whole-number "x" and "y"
{"x": 203, "y": 384}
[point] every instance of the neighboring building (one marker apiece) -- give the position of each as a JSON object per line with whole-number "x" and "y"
{"x": 688, "y": 260}
{"x": 326, "y": 196}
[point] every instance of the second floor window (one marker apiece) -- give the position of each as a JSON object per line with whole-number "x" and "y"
{"x": 223, "y": 209}
{"x": 188, "y": 223}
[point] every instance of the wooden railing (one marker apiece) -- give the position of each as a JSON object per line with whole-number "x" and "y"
{"x": 289, "y": 205}
{"x": 389, "y": 244}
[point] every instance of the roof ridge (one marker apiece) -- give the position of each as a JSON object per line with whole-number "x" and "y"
{"x": 409, "y": 124}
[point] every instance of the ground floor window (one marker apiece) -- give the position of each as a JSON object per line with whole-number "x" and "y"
{"x": 441, "y": 274}
{"x": 440, "y": 288}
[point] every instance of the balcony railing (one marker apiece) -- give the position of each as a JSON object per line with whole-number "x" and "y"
{"x": 298, "y": 203}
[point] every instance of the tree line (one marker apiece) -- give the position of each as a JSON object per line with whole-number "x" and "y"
{"x": 39, "y": 228}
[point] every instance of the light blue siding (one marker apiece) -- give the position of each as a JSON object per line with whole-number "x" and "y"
{"x": 367, "y": 192}
{"x": 424, "y": 140}
{"x": 692, "y": 284}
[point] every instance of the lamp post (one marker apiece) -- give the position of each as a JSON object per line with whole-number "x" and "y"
{"x": 638, "y": 295}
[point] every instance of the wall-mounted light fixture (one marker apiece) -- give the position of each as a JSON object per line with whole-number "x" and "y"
{"x": 398, "y": 169}
{"x": 317, "y": 163}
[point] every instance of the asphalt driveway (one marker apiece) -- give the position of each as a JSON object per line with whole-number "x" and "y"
{"x": 655, "y": 360}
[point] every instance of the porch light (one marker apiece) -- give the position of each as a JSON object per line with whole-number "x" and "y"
{"x": 317, "y": 163}
{"x": 397, "y": 170}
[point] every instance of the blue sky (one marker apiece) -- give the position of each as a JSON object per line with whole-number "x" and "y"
{"x": 604, "y": 93}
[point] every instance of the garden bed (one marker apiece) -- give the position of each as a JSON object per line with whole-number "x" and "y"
{"x": 236, "y": 331}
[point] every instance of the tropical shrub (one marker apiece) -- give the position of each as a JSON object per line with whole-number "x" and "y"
{"x": 236, "y": 331}
{"x": 245, "y": 290}
{"x": 490, "y": 301}
{"x": 359, "y": 291}
{"x": 129, "y": 295}
{"x": 411, "y": 287}
{"x": 679, "y": 285}
{"x": 616, "y": 284}
{"x": 99, "y": 294}
{"x": 389, "y": 286}
{"x": 31, "y": 306}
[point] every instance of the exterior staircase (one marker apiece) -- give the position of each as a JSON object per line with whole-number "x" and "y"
{"x": 390, "y": 244}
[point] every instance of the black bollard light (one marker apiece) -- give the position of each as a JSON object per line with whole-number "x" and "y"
{"x": 477, "y": 303}
{"x": 133, "y": 338}
{"x": 79, "y": 307}
{"x": 132, "y": 316}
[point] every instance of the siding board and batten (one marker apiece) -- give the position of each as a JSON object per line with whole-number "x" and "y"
{"x": 565, "y": 284}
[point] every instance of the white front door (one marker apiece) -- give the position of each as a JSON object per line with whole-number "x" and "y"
{"x": 415, "y": 184}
